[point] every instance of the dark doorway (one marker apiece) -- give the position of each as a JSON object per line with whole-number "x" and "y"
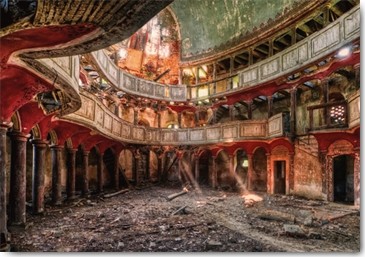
{"x": 204, "y": 168}
{"x": 343, "y": 179}
{"x": 279, "y": 177}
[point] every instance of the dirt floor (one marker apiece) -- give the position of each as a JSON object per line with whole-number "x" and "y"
{"x": 144, "y": 220}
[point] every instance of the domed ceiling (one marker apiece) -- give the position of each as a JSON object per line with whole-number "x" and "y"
{"x": 207, "y": 25}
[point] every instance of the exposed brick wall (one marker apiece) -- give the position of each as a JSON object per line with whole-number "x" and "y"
{"x": 307, "y": 175}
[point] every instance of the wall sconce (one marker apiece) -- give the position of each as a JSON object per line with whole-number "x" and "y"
{"x": 245, "y": 163}
{"x": 344, "y": 52}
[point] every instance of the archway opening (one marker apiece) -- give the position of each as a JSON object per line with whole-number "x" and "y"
{"x": 204, "y": 168}
{"x": 279, "y": 177}
{"x": 343, "y": 179}
{"x": 259, "y": 176}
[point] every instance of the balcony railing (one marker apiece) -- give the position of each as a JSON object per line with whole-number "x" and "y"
{"x": 328, "y": 115}
{"x": 311, "y": 49}
{"x": 94, "y": 114}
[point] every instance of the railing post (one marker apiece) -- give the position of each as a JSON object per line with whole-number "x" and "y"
{"x": 293, "y": 106}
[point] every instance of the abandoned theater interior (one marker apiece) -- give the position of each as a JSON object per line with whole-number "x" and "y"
{"x": 180, "y": 125}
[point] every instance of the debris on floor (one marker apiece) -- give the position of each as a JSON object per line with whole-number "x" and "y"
{"x": 218, "y": 221}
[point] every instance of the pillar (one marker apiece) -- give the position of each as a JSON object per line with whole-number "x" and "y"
{"x": 56, "y": 151}
{"x": 4, "y": 246}
{"x": 291, "y": 173}
{"x": 158, "y": 119}
{"x": 269, "y": 175}
{"x": 100, "y": 167}
{"x": 116, "y": 173}
{"x": 148, "y": 165}
{"x": 39, "y": 166}
{"x": 179, "y": 119}
{"x": 17, "y": 196}
{"x": 214, "y": 118}
{"x": 71, "y": 174}
{"x": 85, "y": 174}
{"x": 269, "y": 106}
{"x": 214, "y": 174}
{"x": 329, "y": 170}
{"x": 293, "y": 107}
{"x": 322, "y": 159}
{"x": 249, "y": 172}
{"x": 135, "y": 119}
{"x": 357, "y": 177}
{"x": 159, "y": 167}
{"x": 196, "y": 168}
{"x": 231, "y": 112}
{"x": 249, "y": 110}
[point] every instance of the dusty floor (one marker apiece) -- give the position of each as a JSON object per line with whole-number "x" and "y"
{"x": 213, "y": 220}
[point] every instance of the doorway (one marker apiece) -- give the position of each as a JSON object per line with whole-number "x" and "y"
{"x": 343, "y": 179}
{"x": 279, "y": 177}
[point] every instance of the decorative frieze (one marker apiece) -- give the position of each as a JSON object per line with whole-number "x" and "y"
{"x": 213, "y": 133}
{"x": 351, "y": 23}
{"x": 276, "y": 125}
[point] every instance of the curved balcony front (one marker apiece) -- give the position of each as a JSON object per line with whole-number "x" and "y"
{"x": 313, "y": 49}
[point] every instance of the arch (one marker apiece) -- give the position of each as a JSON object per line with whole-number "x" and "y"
{"x": 126, "y": 160}
{"x": 283, "y": 142}
{"x": 17, "y": 124}
{"x": 259, "y": 169}
{"x": 203, "y": 174}
{"x": 225, "y": 179}
{"x": 279, "y": 169}
{"x": 36, "y": 132}
{"x": 143, "y": 122}
{"x": 52, "y": 137}
{"x": 240, "y": 168}
{"x": 153, "y": 167}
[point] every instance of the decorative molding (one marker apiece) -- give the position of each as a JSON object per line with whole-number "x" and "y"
{"x": 309, "y": 50}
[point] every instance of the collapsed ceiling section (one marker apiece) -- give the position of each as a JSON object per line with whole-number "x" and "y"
{"x": 207, "y": 25}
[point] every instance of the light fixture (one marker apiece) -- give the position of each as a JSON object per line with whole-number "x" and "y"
{"x": 344, "y": 52}
{"x": 245, "y": 163}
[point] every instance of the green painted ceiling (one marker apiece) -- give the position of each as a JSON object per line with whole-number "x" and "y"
{"x": 207, "y": 24}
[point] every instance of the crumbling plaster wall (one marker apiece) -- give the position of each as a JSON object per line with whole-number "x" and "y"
{"x": 307, "y": 175}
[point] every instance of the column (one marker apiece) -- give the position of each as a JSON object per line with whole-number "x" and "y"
{"x": 291, "y": 173}
{"x": 293, "y": 107}
{"x": 99, "y": 171}
{"x": 357, "y": 177}
{"x": 197, "y": 118}
{"x": 17, "y": 196}
{"x": 71, "y": 174}
{"x": 329, "y": 170}
{"x": 269, "y": 106}
{"x": 136, "y": 164}
{"x": 237, "y": 180}
{"x": 249, "y": 172}
{"x": 135, "y": 119}
{"x": 148, "y": 165}
{"x": 326, "y": 118}
{"x": 39, "y": 161}
{"x": 158, "y": 119}
{"x": 159, "y": 167}
{"x": 214, "y": 174}
{"x": 3, "y": 189}
{"x": 269, "y": 182}
{"x": 116, "y": 173}
{"x": 179, "y": 119}
{"x": 231, "y": 112}
{"x": 214, "y": 115}
{"x": 249, "y": 109}
{"x": 85, "y": 174}
{"x": 56, "y": 151}
{"x": 196, "y": 170}
{"x": 322, "y": 159}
